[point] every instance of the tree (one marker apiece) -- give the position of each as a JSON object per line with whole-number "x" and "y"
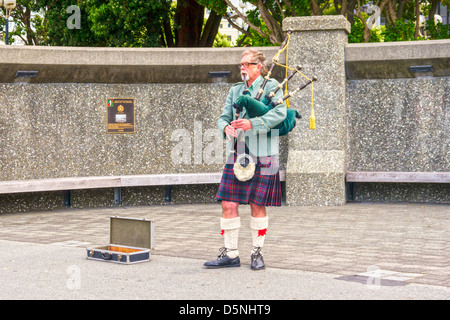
{"x": 131, "y": 23}
{"x": 265, "y": 20}
{"x": 181, "y": 23}
{"x": 221, "y": 41}
{"x": 128, "y": 23}
{"x": 188, "y": 28}
{"x": 25, "y": 24}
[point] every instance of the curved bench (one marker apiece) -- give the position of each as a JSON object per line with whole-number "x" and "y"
{"x": 116, "y": 182}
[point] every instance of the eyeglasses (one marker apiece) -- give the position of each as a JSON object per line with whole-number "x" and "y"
{"x": 246, "y": 64}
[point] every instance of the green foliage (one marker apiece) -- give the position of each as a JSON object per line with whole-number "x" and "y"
{"x": 21, "y": 29}
{"x": 40, "y": 33}
{"x": 357, "y": 32}
{"x": 138, "y": 23}
{"x": 113, "y": 23}
{"x": 254, "y": 41}
{"x": 221, "y": 40}
{"x": 437, "y": 31}
{"x": 217, "y": 5}
{"x": 301, "y": 7}
{"x": 57, "y": 32}
{"x": 125, "y": 23}
{"x": 403, "y": 30}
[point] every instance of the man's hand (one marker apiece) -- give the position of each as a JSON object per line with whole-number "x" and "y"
{"x": 230, "y": 132}
{"x": 241, "y": 124}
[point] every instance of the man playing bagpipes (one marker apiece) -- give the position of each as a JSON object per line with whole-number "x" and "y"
{"x": 249, "y": 141}
{"x": 252, "y": 127}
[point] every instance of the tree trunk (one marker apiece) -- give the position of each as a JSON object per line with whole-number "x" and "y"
{"x": 391, "y": 11}
{"x": 276, "y": 32}
{"x": 315, "y": 9}
{"x": 382, "y": 5}
{"x": 401, "y": 8}
{"x": 189, "y": 17}
{"x": 366, "y": 34}
{"x": 344, "y": 7}
{"x": 434, "y": 6}
{"x": 349, "y": 13}
{"x": 416, "y": 32}
{"x": 167, "y": 30}
{"x": 244, "y": 17}
{"x": 210, "y": 30}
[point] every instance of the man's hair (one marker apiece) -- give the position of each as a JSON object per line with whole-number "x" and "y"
{"x": 259, "y": 57}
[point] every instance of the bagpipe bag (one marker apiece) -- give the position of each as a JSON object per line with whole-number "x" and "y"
{"x": 257, "y": 108}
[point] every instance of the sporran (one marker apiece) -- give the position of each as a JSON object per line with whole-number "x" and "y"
{"x": 244, "y": 167}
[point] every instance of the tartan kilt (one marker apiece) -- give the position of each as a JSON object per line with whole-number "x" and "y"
{"x": 263, "y": 189}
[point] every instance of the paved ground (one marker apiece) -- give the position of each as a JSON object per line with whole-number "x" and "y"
{"x": 345, "y": 252}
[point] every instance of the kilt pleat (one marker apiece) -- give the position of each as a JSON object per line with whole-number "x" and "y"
{"x": 264, "y": 189}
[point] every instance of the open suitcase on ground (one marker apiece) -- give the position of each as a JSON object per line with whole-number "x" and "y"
{"x": 130, "y": 241}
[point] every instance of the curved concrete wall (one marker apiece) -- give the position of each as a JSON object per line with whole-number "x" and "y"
{"x": 388, "y": 117}
{"x": 122, "y": 65}
{"x": 398, "y": 106}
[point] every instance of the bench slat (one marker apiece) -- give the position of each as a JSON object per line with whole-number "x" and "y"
{"x": 170, "y": 179}
{"x": 57, "y": 184}
{"x": 74, "y": 183}
{"x": 413, "y": 177}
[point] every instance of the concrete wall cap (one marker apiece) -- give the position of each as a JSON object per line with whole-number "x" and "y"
{"x": 316, "y": 23}
{"x": 123, "y": 56}
{"x": 397, "y": 50}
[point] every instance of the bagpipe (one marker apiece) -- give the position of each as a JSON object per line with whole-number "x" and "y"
{"x": 257, "y": 108}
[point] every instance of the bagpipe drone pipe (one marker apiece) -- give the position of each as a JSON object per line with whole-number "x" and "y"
{"x": 257, "y": 108}
{"x": 246, "y": 92}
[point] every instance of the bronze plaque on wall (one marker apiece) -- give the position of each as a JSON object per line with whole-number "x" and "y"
{"x": 120, "y": 116}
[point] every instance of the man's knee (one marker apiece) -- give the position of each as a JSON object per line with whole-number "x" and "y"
{"x": 257, "y": 211}
{"x": 230, "y": 209}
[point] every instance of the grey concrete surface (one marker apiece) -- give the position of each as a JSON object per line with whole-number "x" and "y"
{"x": 122, "y": 65}
{"x": 38, "y": 271}
{"x": 355, "y": 251}
{"x": 393, "y": 59}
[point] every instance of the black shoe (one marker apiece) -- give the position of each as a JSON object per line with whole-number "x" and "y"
{"x": 223, "y": 261}
{"x": 257, "y": 260}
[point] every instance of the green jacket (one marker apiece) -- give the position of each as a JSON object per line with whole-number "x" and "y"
{"x": 263, "y": 145}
